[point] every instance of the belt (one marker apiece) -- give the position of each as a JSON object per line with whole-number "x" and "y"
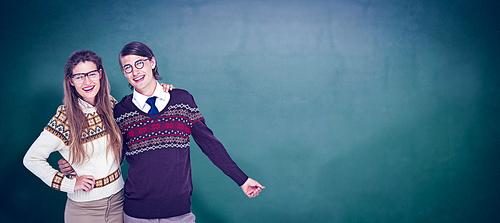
{"x": 101, "y": 182}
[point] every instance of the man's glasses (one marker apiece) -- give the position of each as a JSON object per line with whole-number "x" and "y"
{"x": 139, "y": 64}
{"x": 80, "y": 77}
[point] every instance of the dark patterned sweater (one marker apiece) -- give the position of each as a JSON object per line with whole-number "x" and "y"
{"x": 159, "y": 181}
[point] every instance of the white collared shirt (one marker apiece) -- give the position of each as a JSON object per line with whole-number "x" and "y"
{"x": 162, "y": 99}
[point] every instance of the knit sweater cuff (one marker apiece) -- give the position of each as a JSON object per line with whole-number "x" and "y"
{"x": 68, "y": 185}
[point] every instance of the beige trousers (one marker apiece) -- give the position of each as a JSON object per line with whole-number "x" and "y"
{"x": 106, "y": 210}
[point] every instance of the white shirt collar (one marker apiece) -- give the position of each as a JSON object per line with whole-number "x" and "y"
{"x": 140, "y": 99}
{"x": 85, "y": 106}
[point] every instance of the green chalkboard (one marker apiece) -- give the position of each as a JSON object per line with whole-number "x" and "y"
{"x": 347, "y": 111}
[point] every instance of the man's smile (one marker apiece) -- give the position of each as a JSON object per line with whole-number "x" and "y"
{"x": 140, "y": 78}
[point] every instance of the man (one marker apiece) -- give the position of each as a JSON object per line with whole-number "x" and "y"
{"x": 156, "y": 126}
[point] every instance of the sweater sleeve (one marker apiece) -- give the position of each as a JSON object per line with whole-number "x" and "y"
{"x": 35, "y": 161}
{"x": 216, "y": 152}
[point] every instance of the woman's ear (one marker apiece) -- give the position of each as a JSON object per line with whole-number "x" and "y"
{"x": 71, "y": 82}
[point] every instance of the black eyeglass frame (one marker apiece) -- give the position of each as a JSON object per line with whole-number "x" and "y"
{"x": 136, "y": 65}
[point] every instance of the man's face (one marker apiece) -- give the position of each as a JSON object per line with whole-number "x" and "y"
{"x": 139, "y": 72}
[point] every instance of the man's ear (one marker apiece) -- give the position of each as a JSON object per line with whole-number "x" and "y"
{"x": 153, "y": 62}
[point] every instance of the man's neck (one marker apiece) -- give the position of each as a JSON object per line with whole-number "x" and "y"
{"x": 148, "y": 92}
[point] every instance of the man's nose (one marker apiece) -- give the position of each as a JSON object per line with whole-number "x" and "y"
{"x": 135, "y": 71}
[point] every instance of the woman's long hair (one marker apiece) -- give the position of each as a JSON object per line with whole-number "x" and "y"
{"x": 78, "y": 121}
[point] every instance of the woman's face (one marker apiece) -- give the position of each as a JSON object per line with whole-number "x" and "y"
{"x": 86, "y": 81}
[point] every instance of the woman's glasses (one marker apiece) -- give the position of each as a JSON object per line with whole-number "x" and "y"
{"x": 80, "y": 77}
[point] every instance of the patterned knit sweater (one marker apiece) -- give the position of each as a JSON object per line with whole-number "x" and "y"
{"x": 159, "y": 181}
{"x": 55, "y": 137}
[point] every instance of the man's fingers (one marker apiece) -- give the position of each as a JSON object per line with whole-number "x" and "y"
{"x": 67, "y": 168}
{"x": 254, "y": 192}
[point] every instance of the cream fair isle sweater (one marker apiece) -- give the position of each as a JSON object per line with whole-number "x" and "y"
{"x": 55, "y": 137}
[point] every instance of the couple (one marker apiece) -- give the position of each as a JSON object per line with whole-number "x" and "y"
{"x": 151, "y": 127}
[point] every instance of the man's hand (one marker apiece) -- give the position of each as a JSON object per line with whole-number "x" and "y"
{"x": 251, "y": 188}
{"x": 65, "y": 167}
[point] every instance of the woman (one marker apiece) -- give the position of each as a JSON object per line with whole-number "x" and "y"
{"x": 84, "y": 132}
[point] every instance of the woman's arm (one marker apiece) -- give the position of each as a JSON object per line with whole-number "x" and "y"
{"x": 35, "y": 160}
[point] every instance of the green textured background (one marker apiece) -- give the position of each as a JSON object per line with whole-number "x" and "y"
{"x": 347, "y": 111}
